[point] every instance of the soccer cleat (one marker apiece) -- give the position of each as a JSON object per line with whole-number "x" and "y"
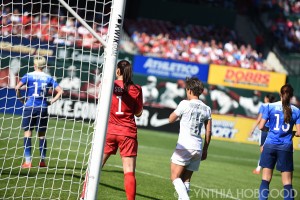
{"x": 42, "y": 164}
{"x": 255, "y": 171}
{"x": 26, "y": 165}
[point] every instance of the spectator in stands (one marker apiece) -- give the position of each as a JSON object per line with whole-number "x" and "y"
{"x": 172, "y": 91}
{"x": 150, "y": 92}
{"x": 71, "y": 83}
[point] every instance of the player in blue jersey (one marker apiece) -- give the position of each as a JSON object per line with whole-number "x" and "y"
{"x": 35, "y": 113}
{"x": 278, "y": 147}
{"x": 269, "y": 98}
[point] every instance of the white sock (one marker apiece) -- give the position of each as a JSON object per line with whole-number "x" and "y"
{"x": 187, "y": 186}
{"x": 180, "y": 189}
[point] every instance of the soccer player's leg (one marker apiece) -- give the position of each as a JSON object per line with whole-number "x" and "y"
{"x": 191, "y": 168}
{"x": 285, "y": 165}
{"x": 128, "y": 151}
{"x": 186, "y": 178}
{"x": 110, "y": 148}
{"x": 267, "y": 162}
{"x": 262, "y": 139}
{"x": 28, "y": 121}
{"x": 41, "y": 128}
{"x": 179, "y": 160}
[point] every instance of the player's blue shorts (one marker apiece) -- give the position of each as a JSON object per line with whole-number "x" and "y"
{"x": 263, "y": 136}
{"x": 283, "y": 159}
{"x": 35, "y": 117}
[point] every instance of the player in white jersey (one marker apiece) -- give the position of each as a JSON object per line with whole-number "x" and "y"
{"x": 193, "y": 115}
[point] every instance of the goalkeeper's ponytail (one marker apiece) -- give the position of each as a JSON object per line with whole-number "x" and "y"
{"x": 126, "y": 71}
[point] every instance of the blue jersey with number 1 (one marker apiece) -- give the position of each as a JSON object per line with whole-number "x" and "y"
{"x": 280, "y": 134}
{"x": 38, "y": 85}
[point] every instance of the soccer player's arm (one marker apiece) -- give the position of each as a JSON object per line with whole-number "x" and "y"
{"x": 18, "y": 87}
{"x": 139, "y": 101}
{"x": 174, "y": 116}
{"x": 264, "y": 119}
{"x": 207, "y": 125}
{"x": 256, "y": 124}
{"x": 59, "y": 92}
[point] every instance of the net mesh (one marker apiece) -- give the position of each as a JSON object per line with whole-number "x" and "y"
{"x": 75, "y": 59}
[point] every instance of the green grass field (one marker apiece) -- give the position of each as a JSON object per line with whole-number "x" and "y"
{"x": 226, "y": 174}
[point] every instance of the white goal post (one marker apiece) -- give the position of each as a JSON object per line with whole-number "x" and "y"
{"x": 80, "y": 41}
{"x": 104, "y": 99}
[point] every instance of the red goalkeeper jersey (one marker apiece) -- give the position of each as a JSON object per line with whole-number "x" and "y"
{"x": 123, "y": 107}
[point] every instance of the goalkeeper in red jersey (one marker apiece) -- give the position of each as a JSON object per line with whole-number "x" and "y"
{"x": 127, "y": 102}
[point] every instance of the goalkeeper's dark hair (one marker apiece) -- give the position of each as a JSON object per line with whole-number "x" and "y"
{"x": 195, "y": 85}
{"x": 126, "y": 71}
{"x": 286, "y": 93}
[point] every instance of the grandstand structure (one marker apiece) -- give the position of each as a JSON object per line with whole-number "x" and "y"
{"x": 271, "y": 30}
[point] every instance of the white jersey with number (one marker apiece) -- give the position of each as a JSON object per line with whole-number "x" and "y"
{"x": 193, "y": 113}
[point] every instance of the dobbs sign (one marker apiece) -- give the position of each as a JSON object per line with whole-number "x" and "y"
{"x": 245, "y": 78}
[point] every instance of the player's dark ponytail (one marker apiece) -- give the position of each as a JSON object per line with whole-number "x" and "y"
{"x": 287, "y": 92}
{"x": 126, "y": 72}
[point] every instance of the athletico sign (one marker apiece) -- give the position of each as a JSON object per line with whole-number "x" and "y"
{"x": 169, "y": 68}
{"x": 245, "y": 78}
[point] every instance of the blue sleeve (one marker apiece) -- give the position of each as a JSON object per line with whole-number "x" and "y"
{"x": 24, "y": 79}
{"x": 265, "y": 113}
{"x": 53, "y": 83}
{"x": 261, "y": 109}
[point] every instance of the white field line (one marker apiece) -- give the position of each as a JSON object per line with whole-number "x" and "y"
{"x": 161, "y": 177}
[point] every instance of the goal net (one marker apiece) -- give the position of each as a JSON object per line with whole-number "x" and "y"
{"x": 72, "y": 36}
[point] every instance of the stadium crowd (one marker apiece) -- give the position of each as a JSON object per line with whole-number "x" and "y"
{"x": 282, "y": 18}
{"x": 218, "y": 45}
{"x": 58, "y": 29}
{"x": 187, "y": 42}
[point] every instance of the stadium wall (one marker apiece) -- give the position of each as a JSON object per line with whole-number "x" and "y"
{"x": 232, "y": 127}
{"x": 224, "y": 127}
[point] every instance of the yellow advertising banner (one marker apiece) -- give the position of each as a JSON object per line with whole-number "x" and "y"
{"x": 245, "y": 78}
{"x": 237, "y": 129}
